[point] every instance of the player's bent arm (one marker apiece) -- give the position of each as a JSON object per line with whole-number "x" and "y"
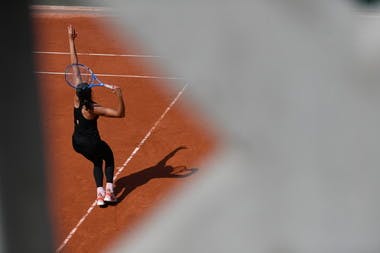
{"x": 121, "y": 105}
{"x": 119, "y": 112}
{"x": 107, "y": 112}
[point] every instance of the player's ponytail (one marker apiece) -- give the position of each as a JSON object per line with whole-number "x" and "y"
{"x": 85, "y": 96}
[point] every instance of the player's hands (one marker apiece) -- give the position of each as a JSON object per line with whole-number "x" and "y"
{"x": 117, "y": 90}
{"x": 71, "y": 31}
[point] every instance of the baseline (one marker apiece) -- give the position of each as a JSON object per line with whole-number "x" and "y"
{"x": 99, "y": 54}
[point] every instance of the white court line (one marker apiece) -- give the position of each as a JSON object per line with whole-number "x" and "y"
{"x": 120, "y": 169}
{"x": 115, "y": 75}
{"x": 99, "y": 54}
{"x": 40, "y": 7}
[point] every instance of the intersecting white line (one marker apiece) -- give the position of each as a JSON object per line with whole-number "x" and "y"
{"x": 99, "y": 54}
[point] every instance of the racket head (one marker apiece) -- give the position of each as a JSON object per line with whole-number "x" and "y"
{"x": 85, "y": 73}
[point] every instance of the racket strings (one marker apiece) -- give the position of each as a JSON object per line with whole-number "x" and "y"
{"x": 71, "y": 75}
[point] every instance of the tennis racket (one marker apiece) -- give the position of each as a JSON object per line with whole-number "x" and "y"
{"x": 86, "y": 75}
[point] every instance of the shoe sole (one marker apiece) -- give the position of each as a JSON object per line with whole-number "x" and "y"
{"x": 100, "y": 203}
{"x": 110, "y": 200}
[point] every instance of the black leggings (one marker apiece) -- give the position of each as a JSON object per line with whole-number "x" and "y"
{"x": 96, "y": 152}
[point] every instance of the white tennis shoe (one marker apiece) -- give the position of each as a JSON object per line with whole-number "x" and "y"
{"x": 100, "y": 199}
{"x": 110, "y": 197}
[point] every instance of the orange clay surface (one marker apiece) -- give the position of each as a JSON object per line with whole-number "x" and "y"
{"x": 160, "y": 167}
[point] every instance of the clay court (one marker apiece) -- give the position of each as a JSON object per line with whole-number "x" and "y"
{"x": 159, "y": 146}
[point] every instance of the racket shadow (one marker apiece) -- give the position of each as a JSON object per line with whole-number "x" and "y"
{"x": 127, "y": 184}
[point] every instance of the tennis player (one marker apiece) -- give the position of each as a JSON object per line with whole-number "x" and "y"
{"x": 86, "y": 138}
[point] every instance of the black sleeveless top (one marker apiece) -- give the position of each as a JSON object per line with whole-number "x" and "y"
{"x": 84, "y": 127}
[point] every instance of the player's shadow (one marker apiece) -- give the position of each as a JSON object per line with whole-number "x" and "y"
{"x": 127, "y": 184}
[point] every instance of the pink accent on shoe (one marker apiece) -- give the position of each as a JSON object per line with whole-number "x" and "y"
{"x": 110, "y": 197}
{"x": 100, "y": 200}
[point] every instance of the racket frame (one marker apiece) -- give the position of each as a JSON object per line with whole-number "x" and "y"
{"x": 94, "y": 80}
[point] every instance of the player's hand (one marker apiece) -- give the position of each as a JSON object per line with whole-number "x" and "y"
{"x": 117, "y": 90}
{"x": 71, "y": 31}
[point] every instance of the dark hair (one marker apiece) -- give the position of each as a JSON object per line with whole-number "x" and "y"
{"x": 84, "y": 94}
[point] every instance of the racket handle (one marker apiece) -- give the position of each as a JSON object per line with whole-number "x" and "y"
{"x": 109, "y": 86}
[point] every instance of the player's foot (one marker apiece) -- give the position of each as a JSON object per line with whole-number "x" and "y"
{"x": 110, "y": 196}
{"x": 100, "y": 199}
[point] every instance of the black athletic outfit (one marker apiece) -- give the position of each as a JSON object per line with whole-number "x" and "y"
{"x": 86, "y": 141}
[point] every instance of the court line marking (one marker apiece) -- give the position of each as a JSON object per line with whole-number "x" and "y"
{"x": 99, "y": 54}
{"x": 41, "y": 7}
{"x": 120, "y": 169}
{"x": 115, "y": 75}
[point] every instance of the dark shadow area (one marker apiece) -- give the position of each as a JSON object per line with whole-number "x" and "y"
{"x": 25, "y": 221}
{"x": 127, "y": 184}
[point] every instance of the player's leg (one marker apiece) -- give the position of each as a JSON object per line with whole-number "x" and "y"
{"x": 89, "y": 150}
{"x": 109, "y": 172}
{"x": 98, "y": 176}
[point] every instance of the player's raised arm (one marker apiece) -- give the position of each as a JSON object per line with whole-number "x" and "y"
{"x": 73, "y": 53}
